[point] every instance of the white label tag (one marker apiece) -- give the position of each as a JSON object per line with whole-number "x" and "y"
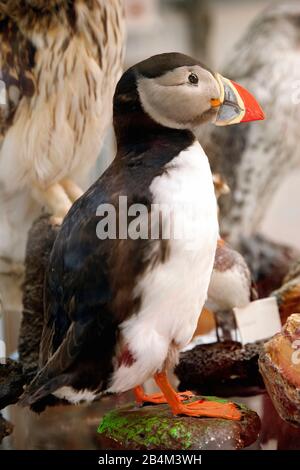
{"x": 259, "y": 320}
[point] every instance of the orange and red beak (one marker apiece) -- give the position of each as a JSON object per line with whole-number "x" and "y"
{"x": 236, "y": 104}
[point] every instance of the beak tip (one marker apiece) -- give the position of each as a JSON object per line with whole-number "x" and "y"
{"x": 247, "y": 108}
{"x": 253, "y": 111}
{"x": 256, "y": 114}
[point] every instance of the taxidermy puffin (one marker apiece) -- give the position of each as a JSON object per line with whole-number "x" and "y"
{"x": 231, "y": 285}
{"x": 119, "y": 309}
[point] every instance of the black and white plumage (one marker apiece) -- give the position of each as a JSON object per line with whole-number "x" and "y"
{"x": 60, "y": 61}
{"x": 117, "y": 311}
{"x": 255, "y": 159}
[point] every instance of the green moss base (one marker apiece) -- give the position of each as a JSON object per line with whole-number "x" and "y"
{"x": 154, "y": 427}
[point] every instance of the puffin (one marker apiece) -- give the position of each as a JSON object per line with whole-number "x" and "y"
{"x": 231, "y": 286}
{"x": 119, "y": 305}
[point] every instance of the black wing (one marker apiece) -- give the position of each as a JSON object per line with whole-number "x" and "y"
{"x": 89, "y": 290}
{"x": 76, "y": 297}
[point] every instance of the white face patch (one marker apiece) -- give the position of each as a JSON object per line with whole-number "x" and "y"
{"x": 173, "y": 101}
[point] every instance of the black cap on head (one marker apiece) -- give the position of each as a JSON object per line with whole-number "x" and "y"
{"x": 159, "y": 64}
{"x": 152, "y": 67}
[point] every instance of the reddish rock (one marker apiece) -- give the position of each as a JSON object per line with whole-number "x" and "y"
{"x": 288, "y": 295}
{"x": 280, "y": 367}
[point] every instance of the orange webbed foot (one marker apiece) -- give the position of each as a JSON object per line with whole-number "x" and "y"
{"x": 198, "y": 408}
{"x": 209, "y": 409}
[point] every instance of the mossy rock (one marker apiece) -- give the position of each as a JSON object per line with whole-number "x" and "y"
{"x": 154, "y": 427}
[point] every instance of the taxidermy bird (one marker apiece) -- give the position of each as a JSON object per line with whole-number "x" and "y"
{"x": 255, "y": 159}
{"x": 221, "y": 187}
{"x": 60, "y": 61}
{"x": 120, "y": 308}
{"x": 231, "y": 286}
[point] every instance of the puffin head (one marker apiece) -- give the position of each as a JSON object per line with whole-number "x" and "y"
{"x": 179, "y": 92}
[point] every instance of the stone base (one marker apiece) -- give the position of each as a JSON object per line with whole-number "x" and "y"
{"x": 155, "y": 428}
{"x": 12, "y": 381}
{"x": 285, "y": 397}
{"x": 211, "y": 368}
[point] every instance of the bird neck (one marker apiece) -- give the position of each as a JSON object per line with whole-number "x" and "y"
{"x": 136, "y": 132}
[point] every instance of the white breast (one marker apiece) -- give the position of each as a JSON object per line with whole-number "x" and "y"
{"x": 174, "y": 292}
{"x": 228, "y": 289}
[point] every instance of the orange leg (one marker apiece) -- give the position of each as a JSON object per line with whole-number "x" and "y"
{"x": 157, "y": 398}
{"x": 197, "y": 408}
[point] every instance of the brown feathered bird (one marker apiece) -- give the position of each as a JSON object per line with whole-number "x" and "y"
{"x": 59, "y": 61}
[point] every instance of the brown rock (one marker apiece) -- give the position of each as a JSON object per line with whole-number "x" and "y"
{"x": 155, "y": 428}
{"x": 12, "y": 381}
{"x": 210, "y": 368}
{"x": 280, "y": 367}
{"x": 288, "y": 295}
{"x": 6, "y": 428}
{"x": 40, "y": 242}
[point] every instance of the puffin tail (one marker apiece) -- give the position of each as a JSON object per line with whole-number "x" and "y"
{"x": 41, "y": 387}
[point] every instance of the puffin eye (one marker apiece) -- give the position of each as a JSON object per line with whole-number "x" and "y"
{"x": 193, "y": 78}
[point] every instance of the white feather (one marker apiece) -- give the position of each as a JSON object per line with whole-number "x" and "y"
{"x": 73, "y": 396}
{"x": 228, "y": 289}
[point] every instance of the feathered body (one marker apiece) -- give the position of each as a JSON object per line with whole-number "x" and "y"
{"x": 255, "y": 159}
{"x": 137, "y": 316}
{"x": 60, "y": 62}
{"x": 118, "y": 309}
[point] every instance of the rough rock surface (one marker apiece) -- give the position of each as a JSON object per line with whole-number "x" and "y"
{"x": 6, "y": 428}
{"x": 40, "y": 242}
{"x": 288, "y": 295}
{"x": 12, "y": 381}
{"x": 207, "y": 367}
{"x": 279, "y": 364}
{"x": 154, "y": 427}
